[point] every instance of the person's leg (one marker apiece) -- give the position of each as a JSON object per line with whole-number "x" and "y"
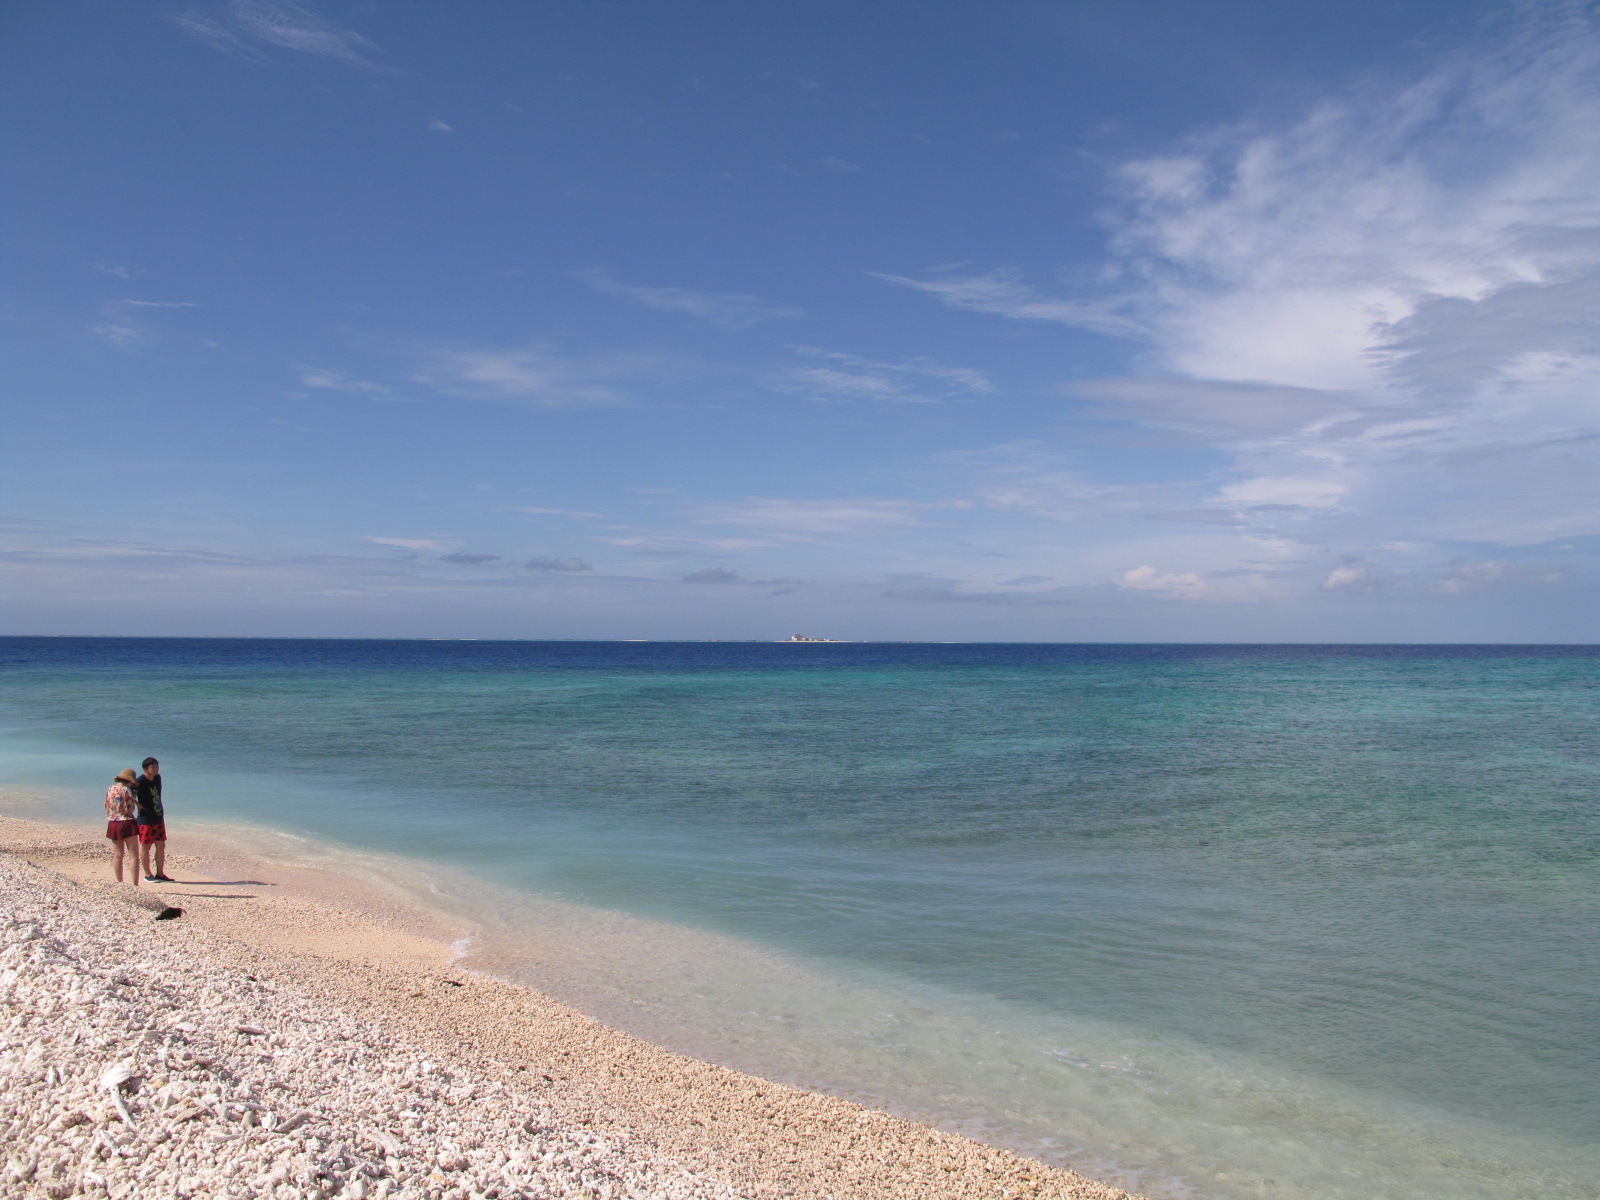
{"x": 116, "y": 857}
{"x": 144, "y": 858}
{"x": 129, "y": 847}
{"x": 161, "y": 859}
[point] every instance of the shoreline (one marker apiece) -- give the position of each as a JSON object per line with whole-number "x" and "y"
{"x": 389, "y": 962}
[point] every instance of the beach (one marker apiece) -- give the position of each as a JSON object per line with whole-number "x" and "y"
{"x": 298, "y": 1034}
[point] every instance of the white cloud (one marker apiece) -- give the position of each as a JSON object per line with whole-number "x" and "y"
{"x": 830, "y": 383}
{"x": 812, "y": 520}
{"x": 536, "y": 375}
{"x": 405, "y": 543}
{"x": 1386, "y": 307}
{"x": 1290, "y": 493}
{"x": 925, "y": 590}
{"x": 243, "y": 25}
{"x": 1187, "y": 586}
{"x": 219, "y": 35}
{"x": 712, "y": 575}
{"x": 127, "y": 324}
{"x": 1306, "y": 255}
{"x": 570, "y": 565}
{"x": 1003, "y": 293}
{"x": 1470, "y": 576}
{"x": 1054, "y": 495}
{"x": 438, "y": 126}
{"x": 726, "y": 310}
{"x": 842, "y": 377}
{"x": 1225, "y": 409}
{"x": 339, "y": 381}
{"x": 1352, "y": 576}
{"x": 673, "y": 545}
{"x": 1476, "y": 576}
{"x": 97, "y": 551}
{"x": 122, "y": 332}
{"x": 1034, "y": 478}
{"x": 1277, "y": 548}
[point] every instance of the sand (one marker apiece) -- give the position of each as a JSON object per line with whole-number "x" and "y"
{"x": 414, "y": 1078}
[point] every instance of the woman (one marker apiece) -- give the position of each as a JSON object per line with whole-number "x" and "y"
{"x": 122, "y": 827}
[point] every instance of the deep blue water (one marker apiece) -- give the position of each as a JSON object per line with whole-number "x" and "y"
{"x": 1341, "y": 894}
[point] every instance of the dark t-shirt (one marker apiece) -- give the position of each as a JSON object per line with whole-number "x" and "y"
{"x": 148, "y": 794}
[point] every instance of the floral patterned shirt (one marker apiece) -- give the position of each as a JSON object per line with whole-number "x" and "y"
{"x": 120, "y": 804}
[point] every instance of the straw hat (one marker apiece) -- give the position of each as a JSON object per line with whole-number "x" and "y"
{"x": 127, "y": 775}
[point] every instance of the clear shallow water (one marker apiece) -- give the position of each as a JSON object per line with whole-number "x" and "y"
{"x": 1235, "y": 921}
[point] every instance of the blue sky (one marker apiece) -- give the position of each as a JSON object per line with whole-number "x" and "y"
{"x": 1003, "y": 321}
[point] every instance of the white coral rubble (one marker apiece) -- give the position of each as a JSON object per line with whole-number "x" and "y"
{"x": 128, "y": 1070}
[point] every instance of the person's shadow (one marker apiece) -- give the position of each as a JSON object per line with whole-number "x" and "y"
{"x": 221, "y": 883}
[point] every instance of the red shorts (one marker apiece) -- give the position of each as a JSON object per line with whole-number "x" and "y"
{"x": 151, "y": 834}
{"x": 120, "y": 830}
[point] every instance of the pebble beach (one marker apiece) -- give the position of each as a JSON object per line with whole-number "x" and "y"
{"x": 297, "y": 1036}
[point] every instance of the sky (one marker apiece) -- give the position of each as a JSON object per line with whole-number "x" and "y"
{"x": 1028, "y": 320}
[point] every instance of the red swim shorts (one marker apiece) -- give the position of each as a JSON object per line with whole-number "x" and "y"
{"x": 119, "y": 830}
{"x": 151, "y": 834}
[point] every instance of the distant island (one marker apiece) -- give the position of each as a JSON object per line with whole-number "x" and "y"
{"x": 800, "y": 637}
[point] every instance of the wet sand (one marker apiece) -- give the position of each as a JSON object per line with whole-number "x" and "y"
{"x": 371, "y": 954}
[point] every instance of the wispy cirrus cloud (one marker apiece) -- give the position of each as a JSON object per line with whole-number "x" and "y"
{"x": 725, "y": 310}
{"x": 1226, "y": 410}
{"x": 680, "y": 545}
{"x": 122, "y": 330}
{"x": 712, "y": 575}
{"x": 537, "y": 375}
{"x": 1468, "y": 575}
{"x": 101, "y": 553}
{"x": 1032, "y": 477}
{"x": 927, "y": 590}
{"x": 405, "y": 543}
{"x": 1384, "y": 308}
{"x": 1004, "y": 293}
{"x": 127, "y": 324}
{"x": 1263, "y": 491}
{"x": 811, "y": 520}
{"x": 841, "y": 378}
{"x": 242, "y": 27}
{"x": 340, "y": 381}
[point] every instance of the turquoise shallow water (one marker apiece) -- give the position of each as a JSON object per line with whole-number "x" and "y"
{"x": 1232, "y": 921}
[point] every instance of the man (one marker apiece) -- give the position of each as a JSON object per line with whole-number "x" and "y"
{"x": 152, "y": 823}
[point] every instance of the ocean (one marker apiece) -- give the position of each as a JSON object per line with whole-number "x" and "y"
{"x": 1215, "y": 921}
